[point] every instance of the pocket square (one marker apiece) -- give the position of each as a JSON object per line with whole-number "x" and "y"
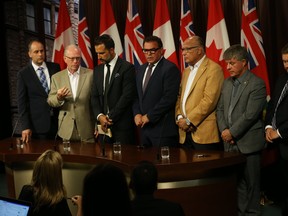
{"x": 116, "y": 75}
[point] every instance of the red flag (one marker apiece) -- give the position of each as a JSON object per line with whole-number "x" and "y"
{"x": 163, "y": 29}
{"x": 134, "y": 36}
{"x": 251, "y": 38}
{"x": 217, "y": 40}
{"x": 186, "y": 29}
{"x": 108, "y": 25}
{"x": 64, "y": 35}
{"x": 83, "y": 38}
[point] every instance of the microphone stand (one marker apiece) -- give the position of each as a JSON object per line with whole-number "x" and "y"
{"x": 103, "y": 143}
{"x": 55, "y": 146}
{"x": 13, "y": 132}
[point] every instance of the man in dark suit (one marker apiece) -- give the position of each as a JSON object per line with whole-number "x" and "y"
{"x": 143, "y": 182}
{"x": 38, "y": 119}
{"x": 277, "y": 123}
{"x": 157, "y": 83}
{"x": 239, "y": 117}
{"x": 113, "y": 92}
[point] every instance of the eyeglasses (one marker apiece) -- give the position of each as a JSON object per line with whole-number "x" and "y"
{"x": 74, "y": 58}
{"x": 151, "y": 51}
{"x": 189, "y": 48}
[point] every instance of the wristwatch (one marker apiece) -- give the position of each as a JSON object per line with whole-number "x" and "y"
{"x": 187, "y": 121}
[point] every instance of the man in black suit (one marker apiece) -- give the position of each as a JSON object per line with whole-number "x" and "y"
{"x": 38, "y": 119}
{"x": 113, "y": 94}
{"x": 277, "y": 123}
{"x": 154, "y": 109}
{"x": 143, "y": 182}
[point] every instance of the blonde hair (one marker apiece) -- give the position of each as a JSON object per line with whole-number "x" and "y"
{"x": 47, "y": 179}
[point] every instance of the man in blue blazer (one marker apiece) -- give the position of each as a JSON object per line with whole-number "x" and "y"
{"x": 154, "y": 108}
{"x": 239, "y": 117}
{"x": 38, "y": 119}
{"x": 277, "y": 123}
{"x": 113, "y": 92}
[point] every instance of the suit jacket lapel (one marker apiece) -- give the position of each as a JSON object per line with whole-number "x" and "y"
{"x": 199, "y": 73}
{"x": 154, "y": 72}
{"x": 240, "y": 90}
{"x": 142, "y": 77}
{"x": 114, "y": 72}
{"x": 82, "y": 78}
{"x": 228, "y": 93}
{"x": 49, "y": 70}
{"x": 100, "y": 79}
{"x": 184, "y": 80}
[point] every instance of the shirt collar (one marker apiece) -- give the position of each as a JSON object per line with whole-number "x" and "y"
{"x": 113, "y": 61}
{"x": 243, "y": 77}
{"x": 36, "y": 66}
{"x": 197, "y": 65}
{"x": 77, "y": 72}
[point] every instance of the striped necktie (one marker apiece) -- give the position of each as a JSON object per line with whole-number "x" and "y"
{"x": 147, "y": 78}
{"x": 283, "y": 94}
{"x": 43, "y": 79}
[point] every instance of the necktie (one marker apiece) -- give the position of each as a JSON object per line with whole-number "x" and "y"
{"x": 236, "y": 84}
{"x": 283, "y": 94}
{"x": 107, "y": 79}
{"x": 43, "y": 79}
{"x": 148, "y": 75}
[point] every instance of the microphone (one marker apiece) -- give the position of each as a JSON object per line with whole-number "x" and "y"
{"x": 64, "y": 114}
{"x": 13, "y": 132}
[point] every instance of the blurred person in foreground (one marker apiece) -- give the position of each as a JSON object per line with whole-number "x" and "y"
{"x": 46, "y": 191}
{"x": 105, "y": 192}
{"x": 143, "y": 182}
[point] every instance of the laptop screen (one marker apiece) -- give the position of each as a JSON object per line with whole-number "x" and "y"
{"x": 13, "y": 207}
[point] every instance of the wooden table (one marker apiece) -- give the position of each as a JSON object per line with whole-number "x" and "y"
{"x": 204, "y": 182}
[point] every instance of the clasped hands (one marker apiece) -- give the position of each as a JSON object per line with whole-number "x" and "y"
{"x": 105, "y": 122}
{"x": 227, "y": 136}
{"x": 271, "y": 134}
{"x": 141, "y": 120}
{"x": 182, "y": 124}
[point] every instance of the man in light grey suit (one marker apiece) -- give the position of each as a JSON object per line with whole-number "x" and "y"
{"x": 239, "y": 118}
{"x": 71, "y": 92}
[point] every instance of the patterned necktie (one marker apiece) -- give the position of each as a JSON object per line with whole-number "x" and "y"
{"x": 283, "y": 94}
{"x": 148, "y": 75}
{"x": 43, "y": 79}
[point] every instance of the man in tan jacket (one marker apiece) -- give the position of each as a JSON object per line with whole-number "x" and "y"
{"x": 71, "y": 92}
{"x": 198, "y": 96}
